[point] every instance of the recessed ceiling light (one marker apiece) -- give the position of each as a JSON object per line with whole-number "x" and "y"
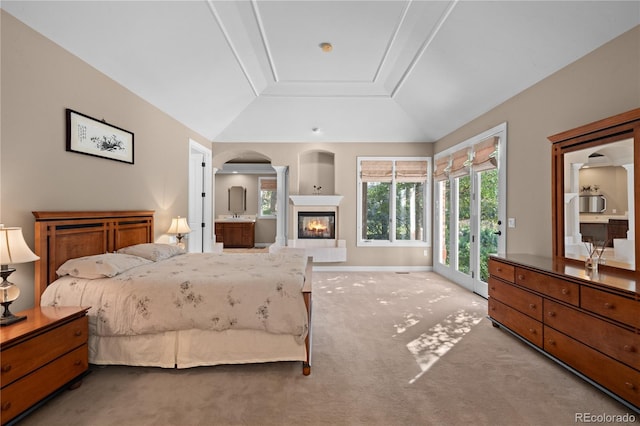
{"x": 326, "y": 47}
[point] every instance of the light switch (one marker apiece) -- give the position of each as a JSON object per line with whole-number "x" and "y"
{"x": 512, "y": 222}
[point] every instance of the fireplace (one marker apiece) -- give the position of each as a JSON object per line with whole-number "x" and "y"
{"x": 316, "y": 228}
{"x": 317, "y": 225}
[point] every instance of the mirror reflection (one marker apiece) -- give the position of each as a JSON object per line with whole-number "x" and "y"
{"x": 598, "y": 192}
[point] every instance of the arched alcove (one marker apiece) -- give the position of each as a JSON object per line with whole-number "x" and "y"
{"x": 317, "y": 170}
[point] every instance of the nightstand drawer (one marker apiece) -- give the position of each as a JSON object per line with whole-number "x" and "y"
{"x": 20, "y": 360}
{"x": 42, "y": 382}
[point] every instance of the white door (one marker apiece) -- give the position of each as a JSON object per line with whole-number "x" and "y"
{"x": 470, "y": 210}
{"x": 200, "y": 196}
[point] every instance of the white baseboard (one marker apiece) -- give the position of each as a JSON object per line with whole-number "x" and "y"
{"x": 372, "y": 268}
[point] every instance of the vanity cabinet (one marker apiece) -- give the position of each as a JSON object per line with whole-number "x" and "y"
{"x": 236, "y": 234}
{"x": 589, "y": 323}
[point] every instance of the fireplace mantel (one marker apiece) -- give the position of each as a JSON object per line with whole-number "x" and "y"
{"x": 316, "y": 200}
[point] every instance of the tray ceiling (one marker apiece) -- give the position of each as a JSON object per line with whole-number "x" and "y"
{"x": 399, "y": 71}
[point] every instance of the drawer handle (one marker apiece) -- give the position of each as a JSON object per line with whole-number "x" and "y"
{"x": 77, "y": 362}
{"x": 6, "y": 406}
{"x": 565, "y": 291}
{"x": 608, "y": 305}
{"x": 532, "y": 331}
{"x": 6, "y": 368}
{"x": 521, "y": 277}
{"x": 78, "y": 333}
{"x": 532, "y": 305}
{"x": 552, "y": 342}
{"x": 499, "y": 269}
{"x": 629, "y": 348}
{"x": 629, "y": 385}
{"x": 552, "y": 314}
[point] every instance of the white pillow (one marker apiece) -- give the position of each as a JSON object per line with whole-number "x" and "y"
{"x": 153, "y": 251}
{"x": 100, "y": 265}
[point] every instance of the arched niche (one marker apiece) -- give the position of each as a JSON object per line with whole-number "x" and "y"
{"x": 317, "y": 170}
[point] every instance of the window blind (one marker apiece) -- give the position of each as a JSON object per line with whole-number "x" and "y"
{"x": 441, "y": 171}
{"x": 376, "y": 171}
{"x": 460, "y": 163}
{"x": 485, "y": 154}
{"x": 411, "y": 171}
{"x": 268, "y": 184}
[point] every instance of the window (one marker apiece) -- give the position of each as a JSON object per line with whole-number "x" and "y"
{"x": 393, "y": 201}
{"x": 267, "y": 197}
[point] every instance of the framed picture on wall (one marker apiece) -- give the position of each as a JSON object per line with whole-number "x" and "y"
{"x": 86, "y": 135}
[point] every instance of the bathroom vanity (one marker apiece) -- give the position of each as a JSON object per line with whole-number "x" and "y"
{"x": 236, "y": 232}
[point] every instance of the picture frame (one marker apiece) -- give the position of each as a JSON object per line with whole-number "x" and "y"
{"x": 89, "y": 136}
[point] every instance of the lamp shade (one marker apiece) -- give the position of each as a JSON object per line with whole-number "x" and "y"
{"x": 13, "y": 248}
{"x": 179, "y": 225}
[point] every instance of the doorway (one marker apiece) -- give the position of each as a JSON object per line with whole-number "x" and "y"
{"x": 200, "y": 199}
{"x": 470, "y": 208}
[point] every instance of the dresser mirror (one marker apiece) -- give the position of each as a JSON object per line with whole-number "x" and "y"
{"x": 595, "y": 200}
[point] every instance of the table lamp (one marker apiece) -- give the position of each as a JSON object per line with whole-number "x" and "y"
{"x": 13, "y": 249}
{"x": 179, "y": 226}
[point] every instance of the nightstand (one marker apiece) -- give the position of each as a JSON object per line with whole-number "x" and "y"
{"x": 41, "y": 355}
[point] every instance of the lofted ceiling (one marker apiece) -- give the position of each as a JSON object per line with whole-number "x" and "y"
{"x": 399, "y": 70}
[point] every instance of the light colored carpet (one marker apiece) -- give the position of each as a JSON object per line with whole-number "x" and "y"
{"x": 388, "y": 349}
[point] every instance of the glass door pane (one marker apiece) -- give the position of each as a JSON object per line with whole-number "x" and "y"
{"x": 464, "y": 224}
{"x": 444, "y": 222}
{"x": 488, "y": 183}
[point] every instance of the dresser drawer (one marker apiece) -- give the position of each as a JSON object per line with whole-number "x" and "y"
{"x": 501, "y": 270}
{"x": 618, "y": 308}
{"x": 525, "y": 302}
{"x": 616, "y": 377}
{"x": 553, "y": 287}
{"x": 516, "y": 321}
{"x": 19, "y": 360}
{"x": 42, "y": 382}
{"x": 615, "y": 341}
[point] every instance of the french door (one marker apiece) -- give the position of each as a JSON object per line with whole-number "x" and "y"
{"x": 470, "y": 209}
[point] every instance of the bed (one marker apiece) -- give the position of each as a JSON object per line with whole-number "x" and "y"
{"x": 197, "y": 323}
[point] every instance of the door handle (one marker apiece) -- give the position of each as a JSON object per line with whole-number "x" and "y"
{"x": 498, "y": 232}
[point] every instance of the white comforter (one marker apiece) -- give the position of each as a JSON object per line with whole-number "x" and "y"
{"x": 198, "y": 290}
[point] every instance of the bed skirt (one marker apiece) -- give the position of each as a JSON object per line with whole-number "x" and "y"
{"x": 193, "y": 348}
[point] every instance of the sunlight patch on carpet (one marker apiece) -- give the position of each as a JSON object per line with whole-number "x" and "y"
{"x": 429, "y": 347}
{"x": 410, "y": 320}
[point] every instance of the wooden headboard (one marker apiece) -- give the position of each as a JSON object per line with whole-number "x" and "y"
{"x": 64, "y": 235}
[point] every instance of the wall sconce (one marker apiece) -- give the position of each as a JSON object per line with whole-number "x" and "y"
{"x": 13, "y": 249}
{"x": 179, "y": 227}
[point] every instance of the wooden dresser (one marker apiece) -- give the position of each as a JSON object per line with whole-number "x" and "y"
{"x": 41, "y": 355}
{"x": 589, "y": 323}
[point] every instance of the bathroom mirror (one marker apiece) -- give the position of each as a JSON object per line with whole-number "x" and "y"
{"x": 595, "y": 198}
{"x": 237, "y": 199}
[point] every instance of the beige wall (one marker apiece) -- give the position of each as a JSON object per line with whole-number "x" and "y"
{"x": 40, "y": 80}
{"x": 601, "y": 84}
{"x": 345, "y": 183}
